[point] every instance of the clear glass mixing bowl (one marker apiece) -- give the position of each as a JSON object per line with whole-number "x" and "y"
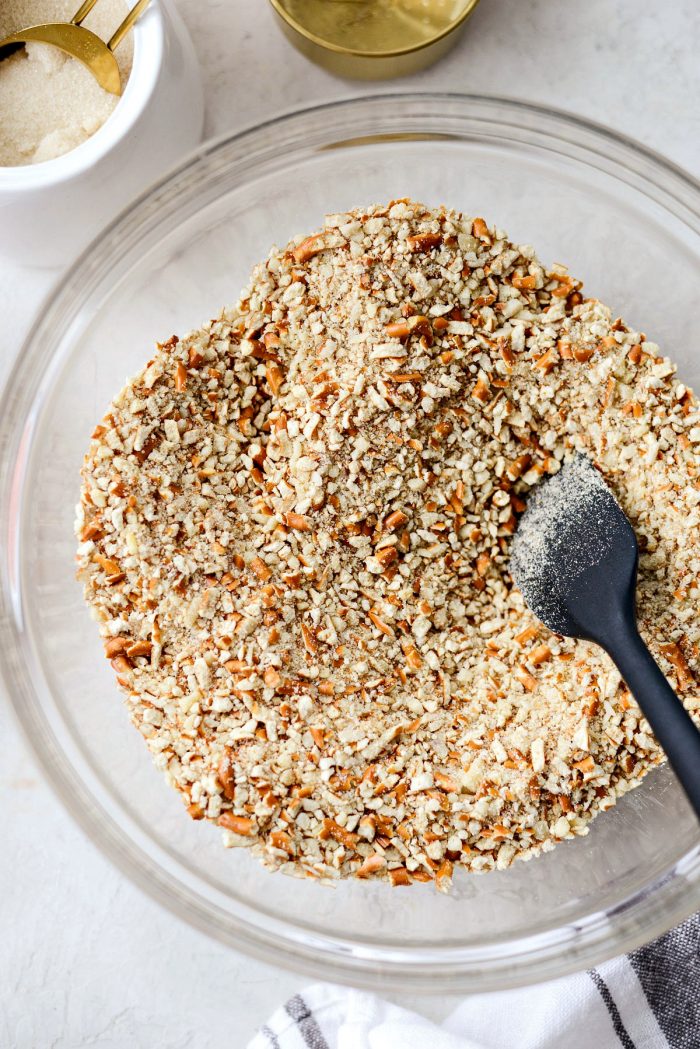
{"x": 624, "y": 220}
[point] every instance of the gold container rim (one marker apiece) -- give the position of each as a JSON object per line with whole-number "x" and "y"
{"x": 328, "y": 45}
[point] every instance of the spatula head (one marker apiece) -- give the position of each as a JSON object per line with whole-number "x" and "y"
{"x": 574, "y": 555}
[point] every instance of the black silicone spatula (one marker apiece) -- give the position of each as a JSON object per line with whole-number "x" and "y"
{"x": 574, "y": 558}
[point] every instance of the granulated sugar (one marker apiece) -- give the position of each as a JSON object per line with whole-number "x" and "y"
{"x": 49, "y": 102}
{"x": 564, "y": 532}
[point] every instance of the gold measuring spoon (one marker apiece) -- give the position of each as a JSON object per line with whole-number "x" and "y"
{"x": 81, "y": 43}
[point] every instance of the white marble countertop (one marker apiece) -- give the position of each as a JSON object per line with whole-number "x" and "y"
{"x": 86, "y": 958}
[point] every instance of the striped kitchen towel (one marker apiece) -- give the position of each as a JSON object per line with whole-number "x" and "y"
{"x": 649, "y": 999}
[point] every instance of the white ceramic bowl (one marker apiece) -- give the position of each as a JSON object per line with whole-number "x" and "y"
{"x": 50, "y": 211}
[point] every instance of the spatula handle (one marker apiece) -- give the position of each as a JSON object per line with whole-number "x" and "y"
{"x": 670, "y": 722}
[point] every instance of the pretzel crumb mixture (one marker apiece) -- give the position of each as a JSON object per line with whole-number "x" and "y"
{"x": 294, "y": 532}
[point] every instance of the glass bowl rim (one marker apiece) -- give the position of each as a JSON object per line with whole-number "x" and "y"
{"x": 504, "y": 963}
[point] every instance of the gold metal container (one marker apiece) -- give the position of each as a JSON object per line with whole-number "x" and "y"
{"x": 373, "y": 39}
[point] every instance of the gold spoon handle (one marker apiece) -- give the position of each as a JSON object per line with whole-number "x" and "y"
{"x": 83, "y": 11}
{"x": 126, "y": 25}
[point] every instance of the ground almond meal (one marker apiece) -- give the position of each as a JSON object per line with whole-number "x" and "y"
{"x": 294, "y": 532}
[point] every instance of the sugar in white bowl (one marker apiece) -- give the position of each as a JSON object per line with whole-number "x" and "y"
{"x": 51, "y": 210}
{"x": 49, "y": 102}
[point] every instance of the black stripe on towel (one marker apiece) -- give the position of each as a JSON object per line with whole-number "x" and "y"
{"x": 616, "y": 1019}
{"x": 271, "y": 1037}
{"x": 669, "y": 972}
{"x": 304, "y": 1019}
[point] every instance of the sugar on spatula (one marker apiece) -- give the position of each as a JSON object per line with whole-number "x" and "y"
{"x": 574, "y": 559}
